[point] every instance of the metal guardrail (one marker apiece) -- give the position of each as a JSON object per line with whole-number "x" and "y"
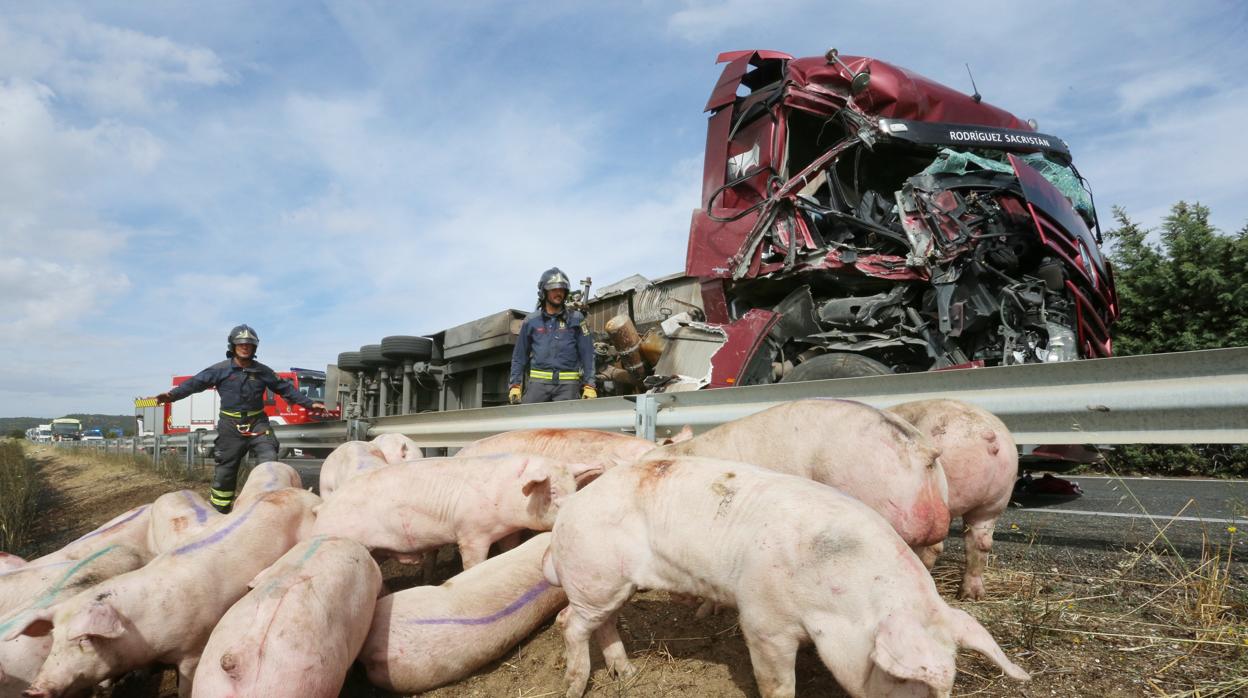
{"x": 1188, "y": 397}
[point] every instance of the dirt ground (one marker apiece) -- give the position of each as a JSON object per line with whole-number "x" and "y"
{"x": 1083, "y": 623}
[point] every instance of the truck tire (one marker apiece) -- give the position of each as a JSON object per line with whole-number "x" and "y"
{"x": 835, "y": 365}
{"x": 371, "y": 356}
{"x": 403, "y": 348}
{"x": 350, "y": 361}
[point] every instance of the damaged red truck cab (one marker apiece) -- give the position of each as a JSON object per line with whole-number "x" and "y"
{"x": 858, "y": 219}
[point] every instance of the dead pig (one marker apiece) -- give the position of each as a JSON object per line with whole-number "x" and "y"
{"x": 298, "y": 630}
{"x": 981, "y": 464}
{"x": 419, "y": 505}
{"x": 831, "y": 572}
{"x": 869, "y": 454}
{"x": 165, "y": 611}
{"x": 429, "y": 636}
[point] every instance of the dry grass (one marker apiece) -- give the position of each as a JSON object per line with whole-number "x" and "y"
{"x": 19, "y": 490}
{"x": 1157, "y": 623}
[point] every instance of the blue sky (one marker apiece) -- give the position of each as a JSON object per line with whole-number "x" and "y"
{"x": 332, "y": 173}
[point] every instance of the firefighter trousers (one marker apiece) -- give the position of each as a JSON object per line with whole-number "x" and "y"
{"x": 229, "y": 450}
{"x": 550, "y": 391}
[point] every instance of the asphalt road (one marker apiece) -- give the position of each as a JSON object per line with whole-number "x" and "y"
{"x": 1112, "y": 514}
{"x": 1117, "y": 513}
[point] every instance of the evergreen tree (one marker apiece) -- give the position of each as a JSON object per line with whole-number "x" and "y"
{"x": 1188, "y": 292}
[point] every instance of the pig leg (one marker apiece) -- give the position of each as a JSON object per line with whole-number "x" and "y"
{"x": 186, "y": 674}
{"x": 473, "y": 551}
{"x": 576, "y": 634}
{"x": 928, "y": 554}
{"x": 978, "y": 537}
{"x": 582, "y": 621}
{"x": 608, "y": 637}
{"x": 774, "y": 656}
{"x": 428, "y": 561}
{"x": 509, "y": 541}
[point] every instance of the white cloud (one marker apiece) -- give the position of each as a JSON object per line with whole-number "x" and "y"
{"x": 109, "y": 68}
{"x": 37, "y": 295}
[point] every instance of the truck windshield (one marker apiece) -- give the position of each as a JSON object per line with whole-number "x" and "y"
{"x": 64, "y": 428}
{"x": 314, "y": 388}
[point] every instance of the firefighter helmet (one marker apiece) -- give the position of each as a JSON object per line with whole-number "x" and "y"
{"x": 551, "y": 279}
{"x": 243, "y": 334}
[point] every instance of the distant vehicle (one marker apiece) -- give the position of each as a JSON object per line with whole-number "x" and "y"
{"x": 66, "y": 429}
{"x": 199, "y": 411}
{"x": 43, "y": 433}
{"x": 93, "y": 435}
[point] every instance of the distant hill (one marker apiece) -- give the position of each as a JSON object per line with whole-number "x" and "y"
{"x": 103, "y": 422}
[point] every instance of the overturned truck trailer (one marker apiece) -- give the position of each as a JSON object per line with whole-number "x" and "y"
{"x": 856, "y": 219}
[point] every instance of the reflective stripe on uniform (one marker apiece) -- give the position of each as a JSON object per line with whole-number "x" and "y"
{"x": 221, "y": 497}
{"x": 240, "y": 415}
{"x": 550, "y": 375}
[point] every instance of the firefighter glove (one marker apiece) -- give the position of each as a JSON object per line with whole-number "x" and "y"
{"x": 588, "y": 393}
{"x": 163, "y": 398}
{"x": 513, "y": 395}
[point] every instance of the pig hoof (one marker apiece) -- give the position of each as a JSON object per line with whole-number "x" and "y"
{"x": 972, "y": 590}
{"x": 622, "y": 670}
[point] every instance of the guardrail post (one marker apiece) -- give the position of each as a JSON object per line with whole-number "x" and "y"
{"x": 192, "y": 447}
{"x": 357, "y": 430}
{"x": 645, "y": 416}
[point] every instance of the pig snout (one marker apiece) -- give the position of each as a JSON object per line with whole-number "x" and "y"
{"x": 35, "y": 692}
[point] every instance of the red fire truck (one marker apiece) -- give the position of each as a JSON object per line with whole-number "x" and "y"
{"x": 199, "y": 411}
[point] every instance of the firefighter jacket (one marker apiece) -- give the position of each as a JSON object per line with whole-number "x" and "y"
{"x": 241, "y": 390}
{"x": 551, "y": 345}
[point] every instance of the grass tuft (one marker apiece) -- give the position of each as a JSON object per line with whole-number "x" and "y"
{"x": 19, "y": 489}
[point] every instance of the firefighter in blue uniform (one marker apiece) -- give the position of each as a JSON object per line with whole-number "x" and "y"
{"x": 243, "y": 426}
{"x": 554, "y": 347}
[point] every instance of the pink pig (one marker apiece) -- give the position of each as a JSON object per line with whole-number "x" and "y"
{"x": 298, "y": 630}
{"x": 419, "y": 505}
{"x": 127, "y": 528}
{"x": 981, "y": 464}
{"x": 429, "y": 636}
{"x": 872, "y": 455}
{"x": 827, "y": 570}
{"x": 165, "y": 611}
{"x": 602, "y": 449}
{"x": 9, "y": 561}
{"x": 396, "y": 448}
{"x": 266, "y": 477}
{"x": 21, "y": 658}
{"x": 177, "y": 517}
{"x": 347, "y": 461}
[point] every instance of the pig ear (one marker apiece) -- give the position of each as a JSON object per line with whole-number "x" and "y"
{"x": 685, "y": 433}
{"x": 532, "y": 479}
{"x": 35, "y": 623}
{"x": 99, "y": 619}
{"x": 905, "y": 650}
{"x": 261, "y": 576}
{"x": 970, "y": 634}
{"x": 584, "y": 472}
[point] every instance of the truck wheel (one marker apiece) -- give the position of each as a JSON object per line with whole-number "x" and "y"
{"x": 835, "y": 366}
{"x": 404, "y": 348}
